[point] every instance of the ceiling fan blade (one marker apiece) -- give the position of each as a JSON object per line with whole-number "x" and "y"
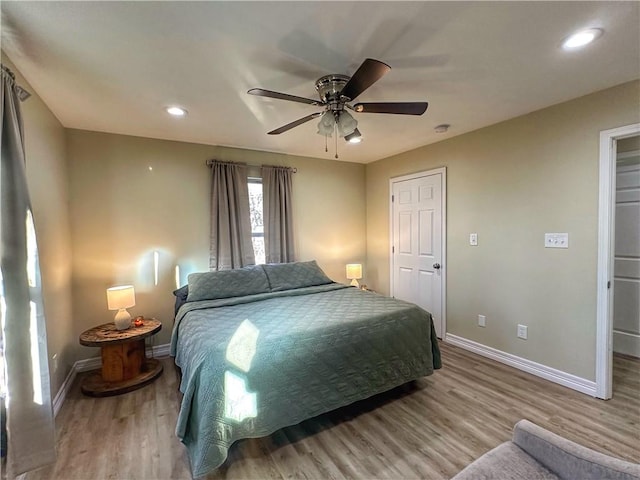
{"x": 291, "y": 125}
{"x": 283, "y": 96}
{"x": 399, "y": 108}
{"x": 367, "y": 74}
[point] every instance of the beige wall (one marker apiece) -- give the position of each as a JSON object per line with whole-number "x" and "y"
{"x": 122, "y": 211}
{"x": 48, "y": 187}
{"x": 511, "y": 183}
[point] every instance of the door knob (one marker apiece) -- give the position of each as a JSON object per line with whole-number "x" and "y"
{"x": 436, "y": 266}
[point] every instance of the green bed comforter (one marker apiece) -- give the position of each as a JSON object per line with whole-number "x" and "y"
{"x": 252, "y": 365}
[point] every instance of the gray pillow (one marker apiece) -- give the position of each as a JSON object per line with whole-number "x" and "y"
{"x": 181, "y": 297}
{"x": 285, "y": 276}
{"x": 227, "y": 283}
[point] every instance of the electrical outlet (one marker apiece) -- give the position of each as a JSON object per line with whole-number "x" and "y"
{"x": 482, "y": 321}
{"x": 473, "y": 239}
{"x": 522, "y": 331}
{"x": 55, "y": 362}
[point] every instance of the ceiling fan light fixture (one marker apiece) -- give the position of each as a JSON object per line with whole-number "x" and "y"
{"x": 581, "y": 38}
{"x": 335, "y": 92}
{"x": 346, "y": 124}
{"x": 326, "y": 124}
{"x": 354, "y": 137}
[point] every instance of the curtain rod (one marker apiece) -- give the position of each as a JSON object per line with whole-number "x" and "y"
{"x": 210, "y": 162}
{"x": 22, "y": 93}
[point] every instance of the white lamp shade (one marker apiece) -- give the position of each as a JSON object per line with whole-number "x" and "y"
{"x": 354, "y": 270}
{"x": 121, "y": 297}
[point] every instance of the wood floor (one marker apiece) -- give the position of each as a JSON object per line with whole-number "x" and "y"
{"x": 430, "y": 428}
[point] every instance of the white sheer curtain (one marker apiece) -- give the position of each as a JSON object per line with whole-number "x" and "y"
{"x": 279, "y": 244}
{"x": 231, "y": 245}
{"x": 24, "y": 388}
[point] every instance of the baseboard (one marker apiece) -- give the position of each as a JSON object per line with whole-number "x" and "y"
{"x": 87, "y": 364}
{"x": 94, "y": 363}
{"x": 160, "y": 351}
{"x": 557, "y": 376}
{"x": 626, "y": 343}
{"x": 58, "y": 400}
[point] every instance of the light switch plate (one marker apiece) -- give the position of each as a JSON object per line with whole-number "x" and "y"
{"x": 556, "y": 240}
{"x": 473, "y": 239}
{"x": 522, "y": 331}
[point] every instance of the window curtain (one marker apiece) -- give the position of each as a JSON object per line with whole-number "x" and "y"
{"x": 278, "y": 216}
{"x": 25, "y": 389}
{"x": 231, "y": 245}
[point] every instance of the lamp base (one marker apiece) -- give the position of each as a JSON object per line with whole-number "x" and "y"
{"x": 354, "y": 283}
{"x": 122, "y": 319}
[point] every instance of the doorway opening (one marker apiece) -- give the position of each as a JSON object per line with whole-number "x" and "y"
{"x": 606, "y": 254}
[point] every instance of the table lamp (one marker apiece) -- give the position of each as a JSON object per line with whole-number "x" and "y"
{"x": 354, "y": 272}
{"x": 120, "y": 298}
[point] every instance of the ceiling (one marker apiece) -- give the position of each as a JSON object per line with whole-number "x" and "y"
{"x": 114, "y": 66}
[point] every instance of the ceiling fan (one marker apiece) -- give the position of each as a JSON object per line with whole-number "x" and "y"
{"x": 336, "y": 92}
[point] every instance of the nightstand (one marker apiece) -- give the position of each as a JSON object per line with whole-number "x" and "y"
{"x": 125, "y": 366}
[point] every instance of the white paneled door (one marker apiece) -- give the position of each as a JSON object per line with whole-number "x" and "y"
{"x": 417, "y": 227}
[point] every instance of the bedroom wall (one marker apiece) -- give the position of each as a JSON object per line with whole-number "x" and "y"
{"x": 122, "y": 211}
{"x": 46, "y": 168}
{"x": 511, "y": 183}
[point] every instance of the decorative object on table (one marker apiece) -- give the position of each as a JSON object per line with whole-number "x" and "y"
{"x": 120, "y": 298}
{"x": 138, "y": 321}
{"x": 354, "y": 273}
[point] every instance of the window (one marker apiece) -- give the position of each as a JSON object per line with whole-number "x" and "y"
{"x": 257, "y": 223}
{"x": 35, "y": 311}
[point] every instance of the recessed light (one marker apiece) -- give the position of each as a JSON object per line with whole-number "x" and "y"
{"x": 176, "y": 111}
{"x": 581, "y": 38}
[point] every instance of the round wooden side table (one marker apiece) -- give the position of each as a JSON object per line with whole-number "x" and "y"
{"x": 124, "y": 363}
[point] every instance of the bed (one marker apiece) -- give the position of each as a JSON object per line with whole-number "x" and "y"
{"x": 265, "y": 347}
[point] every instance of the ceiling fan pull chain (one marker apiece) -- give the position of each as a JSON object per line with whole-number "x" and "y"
{"x": 336, "y": 138}
{"x": 326, "y": 147}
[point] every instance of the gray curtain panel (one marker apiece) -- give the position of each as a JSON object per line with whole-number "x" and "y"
{"x": 278, "y": 215}
{"x": 231, "y": 245}
{"x": 25, "y": 389}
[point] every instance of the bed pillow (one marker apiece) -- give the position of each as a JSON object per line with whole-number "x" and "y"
{"x": 227, "y": 283}
{"x": 286, "y": 276}
{"x": 181, "y": 297}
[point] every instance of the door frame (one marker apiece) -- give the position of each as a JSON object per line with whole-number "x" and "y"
{"x": 443, "y": 235}
{"x": 606, "y": 242}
